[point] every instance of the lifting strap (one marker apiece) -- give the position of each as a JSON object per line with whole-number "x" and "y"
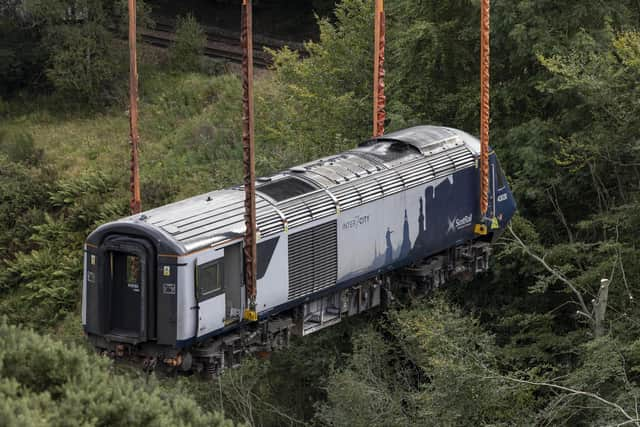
{"x": 484, "y": 106}
{"x": 134, "y": 182}
{"x": 248, "y": 158}
{"x": 379, "y": 98}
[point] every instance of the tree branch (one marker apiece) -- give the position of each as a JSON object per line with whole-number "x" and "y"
{"x": 606, "y": 402}
{"x": 277, "y": 411}
{"x": 553, "y": 199}
{"x": 585, "y": 311}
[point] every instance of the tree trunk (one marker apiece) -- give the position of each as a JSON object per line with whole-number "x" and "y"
{"x": 600, "y": 308}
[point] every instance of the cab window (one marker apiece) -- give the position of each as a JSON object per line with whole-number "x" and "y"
{"x": 210, "y": 280}
{"x": 501, "y": 182}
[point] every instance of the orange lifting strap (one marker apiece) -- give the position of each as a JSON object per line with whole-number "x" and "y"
{"x": 484, "y": 106}
{"x": 250, "y": 269}
{"x": 379, "y": 98}
{"x": 134, "y": 183}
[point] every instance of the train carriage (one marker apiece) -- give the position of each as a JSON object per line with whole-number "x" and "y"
{"x": 167, "y": 284}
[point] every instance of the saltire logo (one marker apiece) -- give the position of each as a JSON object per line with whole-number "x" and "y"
{"x": 457, "y": 224}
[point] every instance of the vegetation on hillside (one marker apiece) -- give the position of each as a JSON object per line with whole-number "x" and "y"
{"x": 43, "y": 382}
{"x": 517, "y": 346}
{"x": 185, "y": 55}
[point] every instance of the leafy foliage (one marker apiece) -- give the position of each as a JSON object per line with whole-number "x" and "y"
{"x": 23, "y": 192}
{"x": 330, "y": 89}
{"x": 69, "y": 46}
{"x": 432, "y": 364}
{"x": 185, "y": 54}
{"x": 47, "y": 277}
{"x": 494, "y": 351}
{"x": 44, "y": 382}
{"x": 20, "y": 148}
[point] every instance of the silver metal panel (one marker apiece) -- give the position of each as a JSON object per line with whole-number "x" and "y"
{"x": 347, "y": 195}
{"x": 319, "y": 179}
{"x": 191, "y": 207}
{"x": 353, "y": 178}
{"x": 369, "y": 190}
{"x": 369, "y": 165}
{"x": 313, "y": 259}
{"x": 273, "y": 286}
{"x": 339, "y": 167}
{"x": 185, "y": 316}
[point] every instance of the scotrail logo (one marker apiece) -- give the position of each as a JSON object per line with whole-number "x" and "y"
{"x": 457, "y": 224}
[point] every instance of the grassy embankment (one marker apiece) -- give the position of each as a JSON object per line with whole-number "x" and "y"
{"x": 190, "y": 137}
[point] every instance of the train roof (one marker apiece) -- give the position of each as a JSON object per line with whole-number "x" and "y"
{"x": 376, "y": 168}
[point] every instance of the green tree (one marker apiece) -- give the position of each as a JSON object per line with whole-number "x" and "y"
{"x": 328, "y": 93}
{"x": 433, "y": 365}
{"x": 73, "y": 44}
{"x": 84, "y": 64}
{"x": 439, "y": 82}
{"x": 185, "y": 54}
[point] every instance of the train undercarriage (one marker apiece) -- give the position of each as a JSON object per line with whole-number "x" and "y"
{"x": 260, "y": 338}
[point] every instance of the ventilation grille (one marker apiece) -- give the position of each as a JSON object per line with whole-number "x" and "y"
{"x": 313, "y": 260}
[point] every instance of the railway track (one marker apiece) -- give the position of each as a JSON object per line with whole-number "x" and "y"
{"x": 220, "y": 43}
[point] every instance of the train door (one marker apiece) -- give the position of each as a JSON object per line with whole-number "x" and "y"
{"x": 209, "y": 292}
{"x": 233, "y": 283}
{"x": 126, "y": 285}
{"x": 128, "y": 278}
{"x": 219, "y": 290}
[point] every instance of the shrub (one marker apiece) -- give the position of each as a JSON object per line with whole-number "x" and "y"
{"x": 327, "y": 96}
{"x": 430, "y": 364}
{"x": 4, "y": 107}
{"x": 185, "y": 54}
{"x": 46, "y": 274}
{"x": 74, "y": 44}
{"x": 85, "y": 65}
{"x": 19, "y": 147}
{"x": 23, "y": 197}
{"x": 45, "y": 382}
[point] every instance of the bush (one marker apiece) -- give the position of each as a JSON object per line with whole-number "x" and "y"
{"x": 326, "y": 97}
{"x": 185, "y": 54}
{"x": 85, "y": 65}
{"x": 85, "y": 62}
{"x": 23, "y": 198}
{"x": 45, "y": 382}
{"x": 74, "y": 44}
{"x": 431, "y": 364}
{"x": 46, "y": 274}
{"x": 19, "y": 147}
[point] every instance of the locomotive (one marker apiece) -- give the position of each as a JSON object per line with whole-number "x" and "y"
{"x": 336, "y": 236}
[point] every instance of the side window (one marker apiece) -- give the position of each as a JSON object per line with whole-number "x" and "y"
{"x": 210, "y": 280}
{"x": 133, "y": 269}
{"x": 500, "y": 181}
